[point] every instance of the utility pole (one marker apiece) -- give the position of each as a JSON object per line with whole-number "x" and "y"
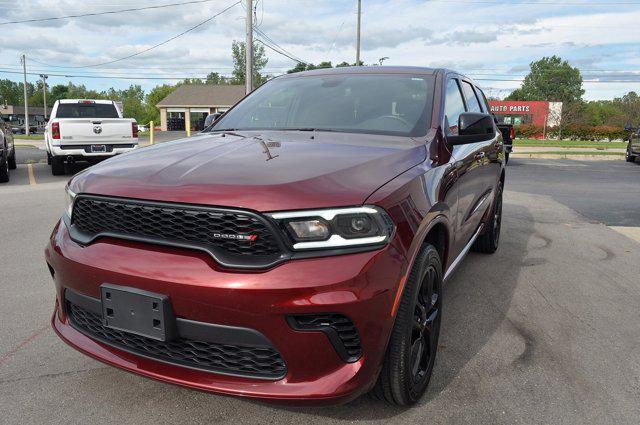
{"x": 358, "y": 34}
{"x": 26, "y": 100}
{"x": 44, "y": 93}
{"x": 248, "y": 72}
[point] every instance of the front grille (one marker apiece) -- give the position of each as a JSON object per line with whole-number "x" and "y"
{"x": 341, "y": 331}
{"x": 256, "y": 362}
{"x": 211, "y": 229}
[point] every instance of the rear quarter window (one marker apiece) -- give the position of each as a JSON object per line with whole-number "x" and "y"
{"x": 86, "y": 110}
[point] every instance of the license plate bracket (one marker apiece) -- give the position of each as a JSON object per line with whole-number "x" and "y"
{"x": 98, "y": 148}
{"x": 137, "y": 311}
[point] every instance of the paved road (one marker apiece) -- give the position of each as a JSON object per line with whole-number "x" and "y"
{"x": 550, "y": 333}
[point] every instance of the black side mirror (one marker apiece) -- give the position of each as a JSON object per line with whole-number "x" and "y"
{"x": 473, "y": 127}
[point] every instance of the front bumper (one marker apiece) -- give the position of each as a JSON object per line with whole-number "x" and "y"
{"x": 359, "y": 286}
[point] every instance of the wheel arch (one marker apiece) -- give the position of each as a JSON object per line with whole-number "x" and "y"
{"x": 436, "y": 232}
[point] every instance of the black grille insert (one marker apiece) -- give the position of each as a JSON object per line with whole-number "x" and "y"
{"x": 254, "y": 362}
{"x": 340, "y": 330}
{"x": 234, "y": 238}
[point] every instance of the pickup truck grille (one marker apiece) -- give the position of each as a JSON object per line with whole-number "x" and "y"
{"x": 234, "y": 238}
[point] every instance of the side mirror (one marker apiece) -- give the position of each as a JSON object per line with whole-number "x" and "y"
{"x": 473, "y": 127}
{"x": 211, "y": 118}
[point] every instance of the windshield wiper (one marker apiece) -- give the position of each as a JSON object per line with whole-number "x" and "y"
{"x": 307, "y": 129}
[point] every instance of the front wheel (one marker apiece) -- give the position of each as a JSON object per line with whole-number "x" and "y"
{"x": 12, "y": 161}
{"x": 4, "y": 168}
{"x": 411, "y": 354}
{"x": 628, "y": 156}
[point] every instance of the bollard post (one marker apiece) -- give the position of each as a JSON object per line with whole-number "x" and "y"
{"x": 188, "y": 130}
{"x": 151, "y": 132}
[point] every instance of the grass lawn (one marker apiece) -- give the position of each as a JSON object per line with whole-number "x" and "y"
{"x": 570, "y": 153}
{"x": 568, "y": 144}
{"x": 29, "y": 137}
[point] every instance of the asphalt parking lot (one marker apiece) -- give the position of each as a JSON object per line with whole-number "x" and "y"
{"x": 547, "y": 332}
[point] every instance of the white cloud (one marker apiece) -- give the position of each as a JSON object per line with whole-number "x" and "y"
{"x": 488, "y": 39}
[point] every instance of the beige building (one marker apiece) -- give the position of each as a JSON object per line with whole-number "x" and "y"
{"x": 192, "y": 103}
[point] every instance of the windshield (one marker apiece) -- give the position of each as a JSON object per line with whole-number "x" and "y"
{"x": 394, "y": 104}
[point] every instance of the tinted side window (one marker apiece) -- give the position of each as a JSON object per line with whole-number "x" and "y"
{"x": 453, "y": 107}
{"x": 483, "y": 100}
{"x": 470, "y": 96}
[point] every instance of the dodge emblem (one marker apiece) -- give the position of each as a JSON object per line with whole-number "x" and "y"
{"x": 97, "y": 129}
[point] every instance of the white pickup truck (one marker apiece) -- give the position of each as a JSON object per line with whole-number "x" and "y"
{"x": 87, "y": 130}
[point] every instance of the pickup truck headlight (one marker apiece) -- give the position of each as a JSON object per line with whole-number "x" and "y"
{"x": 336, "y": 227}
{"x": 69, "y": 197}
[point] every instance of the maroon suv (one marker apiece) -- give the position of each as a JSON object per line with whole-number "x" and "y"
{"x": 294, "y": 251}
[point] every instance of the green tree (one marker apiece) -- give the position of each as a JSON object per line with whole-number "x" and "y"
{"x": 238, "y": 51}
{"x": 216, "y": 79}
{"x": 550, "y": 79}
{"x": 155, "y": 95}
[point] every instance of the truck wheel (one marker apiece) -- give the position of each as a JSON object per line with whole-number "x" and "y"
{"x": 408, "y": 363}
{"x": 487, "y": 242}
{"x": 628, "y": 156}
{"x": 57, "y": 166}
{"x": 4, "y": 168}
{"x": 12, "y": 161}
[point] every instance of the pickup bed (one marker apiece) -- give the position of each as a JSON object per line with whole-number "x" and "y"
{"x": 87, "y": 130}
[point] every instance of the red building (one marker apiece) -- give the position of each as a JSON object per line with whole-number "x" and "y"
{"x": 526, "y": 112}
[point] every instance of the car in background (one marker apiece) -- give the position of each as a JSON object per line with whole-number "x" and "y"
{"x": 296, "y": 251}
{"x": 508, "y": 136}
{"x": 87, "y": 130}
{"x": 633, "y": 146}
{"x": 7, "y": 151}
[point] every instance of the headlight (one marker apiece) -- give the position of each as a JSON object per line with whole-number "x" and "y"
{"x": 69, "y": 197}
{"x": 336, "y": 227}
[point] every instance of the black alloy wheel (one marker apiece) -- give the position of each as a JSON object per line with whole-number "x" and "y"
{"x": 411, "y": 353}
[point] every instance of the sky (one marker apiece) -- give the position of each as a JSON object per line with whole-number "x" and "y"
{"x": 491, "y": 41}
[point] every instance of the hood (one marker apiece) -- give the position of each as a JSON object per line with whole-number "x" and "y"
{"x": 266, "y": 171}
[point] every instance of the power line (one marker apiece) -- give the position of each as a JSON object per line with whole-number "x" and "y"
{"x": 147, "y": 49}
{"x": 283, "y": 51}
{"x": 278, "y": 51}
{"x": 115, "y": 77}
{"x": 82, "y": 15}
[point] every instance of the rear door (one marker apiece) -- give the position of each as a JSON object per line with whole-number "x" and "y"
{"x": 89, "y": 122}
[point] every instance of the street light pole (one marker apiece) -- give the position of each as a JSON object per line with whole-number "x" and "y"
{"x": 248, "y": 77}
{"x": 26, "y": 100}
{"x": 358, "y": 34}
{"x": 44, "y": 93}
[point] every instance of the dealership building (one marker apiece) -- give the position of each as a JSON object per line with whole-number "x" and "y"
{"x": 190, "y": 105}
{"x": 540, "y": 113}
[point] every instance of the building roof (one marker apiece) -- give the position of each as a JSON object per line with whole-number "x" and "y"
{"x": 19, "y": 110}
{"x": 203, "y": 95}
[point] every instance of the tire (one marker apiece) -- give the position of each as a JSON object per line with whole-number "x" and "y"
{"x": 4, "y": 168}
{"x": 488, "y": 241}
{"x": 12, "y": 161}
{"x": 57, "y": 166}
{"x": 628, "y": 156}
{"x": 410, "y": 357}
